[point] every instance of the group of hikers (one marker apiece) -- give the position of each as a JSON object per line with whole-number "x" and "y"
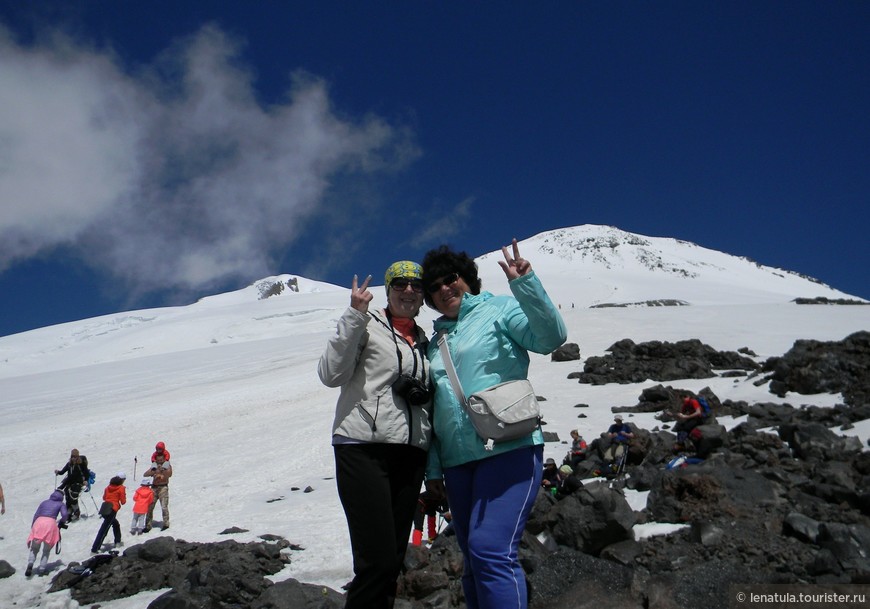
{"x": 62, "y": 506}
{"x": 562, "y": 480}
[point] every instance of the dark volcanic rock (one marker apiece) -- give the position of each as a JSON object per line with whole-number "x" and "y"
{"x": 628, "y": 362}
{"x": 813, "y": 366}
{"x": 568, "y": 352}
{"x": 225, "y": 574}
{"x": 785, "y": 507}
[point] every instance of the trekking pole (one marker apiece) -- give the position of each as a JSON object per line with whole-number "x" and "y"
{"x": 135, "y": 463}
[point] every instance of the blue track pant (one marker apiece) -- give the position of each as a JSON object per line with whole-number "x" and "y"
{"x": 490, "y": 501}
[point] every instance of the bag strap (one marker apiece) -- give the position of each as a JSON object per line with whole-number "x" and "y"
{"x": 454, "y": 379}
{"x": 450, "y": 369}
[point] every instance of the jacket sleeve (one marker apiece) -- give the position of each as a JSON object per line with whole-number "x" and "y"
{"x": 338, "y": 362}
{"x": 536, "y": 325}
{"x": 433, "y": 463}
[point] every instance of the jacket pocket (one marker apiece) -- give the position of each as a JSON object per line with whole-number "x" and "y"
{"x": 366, "y": 416}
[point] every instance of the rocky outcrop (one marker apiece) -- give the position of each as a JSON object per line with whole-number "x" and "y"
{"x": 225, "y": 574}
{"x": 812, "y": 366}
{"x": 628, "y": 362}
{"x": 767, "y": 508}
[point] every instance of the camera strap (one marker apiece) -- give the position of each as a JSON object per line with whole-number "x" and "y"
{"x": 399, "y": 351}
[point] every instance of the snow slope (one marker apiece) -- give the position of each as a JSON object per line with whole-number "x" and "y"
{"x": 229, "y": 384}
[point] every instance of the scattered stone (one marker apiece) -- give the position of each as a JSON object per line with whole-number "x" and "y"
{"x": 233, "y": 531}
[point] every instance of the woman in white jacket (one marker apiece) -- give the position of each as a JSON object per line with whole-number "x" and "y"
{"x": 381, "y": 431}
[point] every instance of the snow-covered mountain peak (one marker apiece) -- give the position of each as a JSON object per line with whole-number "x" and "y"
{"x": 590, "y": 265}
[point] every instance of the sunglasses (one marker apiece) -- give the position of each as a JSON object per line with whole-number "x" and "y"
{"x": 400, "y": 285}
{"x": 450, "y": 279}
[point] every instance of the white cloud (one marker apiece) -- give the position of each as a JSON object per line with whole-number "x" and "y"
{"x": 175, "y": 177}
{"x": 444, "y": 225}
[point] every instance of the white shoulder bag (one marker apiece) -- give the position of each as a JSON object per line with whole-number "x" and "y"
{"x": 503, "y": 412}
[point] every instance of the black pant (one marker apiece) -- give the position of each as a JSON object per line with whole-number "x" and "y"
{"x": 72, "y": 492}
{"x": 684, "y": 427}
{"x": 108, "y": 521}
{"x": 378, "y": 485}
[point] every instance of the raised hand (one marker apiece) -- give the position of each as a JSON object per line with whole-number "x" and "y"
{"x": 514, "y": 266}
{"x": 360, "y": 297}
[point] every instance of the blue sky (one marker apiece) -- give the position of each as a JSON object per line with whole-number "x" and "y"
{"x": 155, "y": 152}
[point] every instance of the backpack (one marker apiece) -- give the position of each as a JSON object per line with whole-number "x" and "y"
{"x": 705, "y": 406}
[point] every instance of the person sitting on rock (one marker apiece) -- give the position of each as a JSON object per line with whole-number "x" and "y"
{"x": 568, "y": 482}
{"x": 550, "y": 479}
{"x": 620, "y": 435}
{"x": 691, "y": 415}
{"x": 578, "y": 451}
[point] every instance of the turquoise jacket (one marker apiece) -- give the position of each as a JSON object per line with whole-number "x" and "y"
{"x": 489, "y": 343}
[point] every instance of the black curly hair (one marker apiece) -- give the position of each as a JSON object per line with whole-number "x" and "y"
{"x": 442, "y": 261}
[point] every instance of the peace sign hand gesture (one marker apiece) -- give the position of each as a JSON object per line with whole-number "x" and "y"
{"x": 360, "y": 297}
{"x": 514, "y": 266}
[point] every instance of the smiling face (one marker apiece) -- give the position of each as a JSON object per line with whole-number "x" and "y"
{"x": 405, "y": 302}
{"x": 448, "y": 297}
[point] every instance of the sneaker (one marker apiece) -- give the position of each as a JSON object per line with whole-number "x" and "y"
{"x": 28, "y": 571}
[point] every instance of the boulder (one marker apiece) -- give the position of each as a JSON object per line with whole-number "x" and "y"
{"x": 568, "y": 352}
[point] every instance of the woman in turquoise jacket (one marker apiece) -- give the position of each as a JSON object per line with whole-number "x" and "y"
{"x": 490, "y": 491}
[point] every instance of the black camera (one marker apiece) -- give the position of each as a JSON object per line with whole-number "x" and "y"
{"x": 415, "y": 392}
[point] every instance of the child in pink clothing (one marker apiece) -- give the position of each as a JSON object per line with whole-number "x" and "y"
{"x": 142, "y": 499}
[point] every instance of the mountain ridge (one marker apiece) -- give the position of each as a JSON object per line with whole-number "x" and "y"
{"x": 584, "y": 266}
